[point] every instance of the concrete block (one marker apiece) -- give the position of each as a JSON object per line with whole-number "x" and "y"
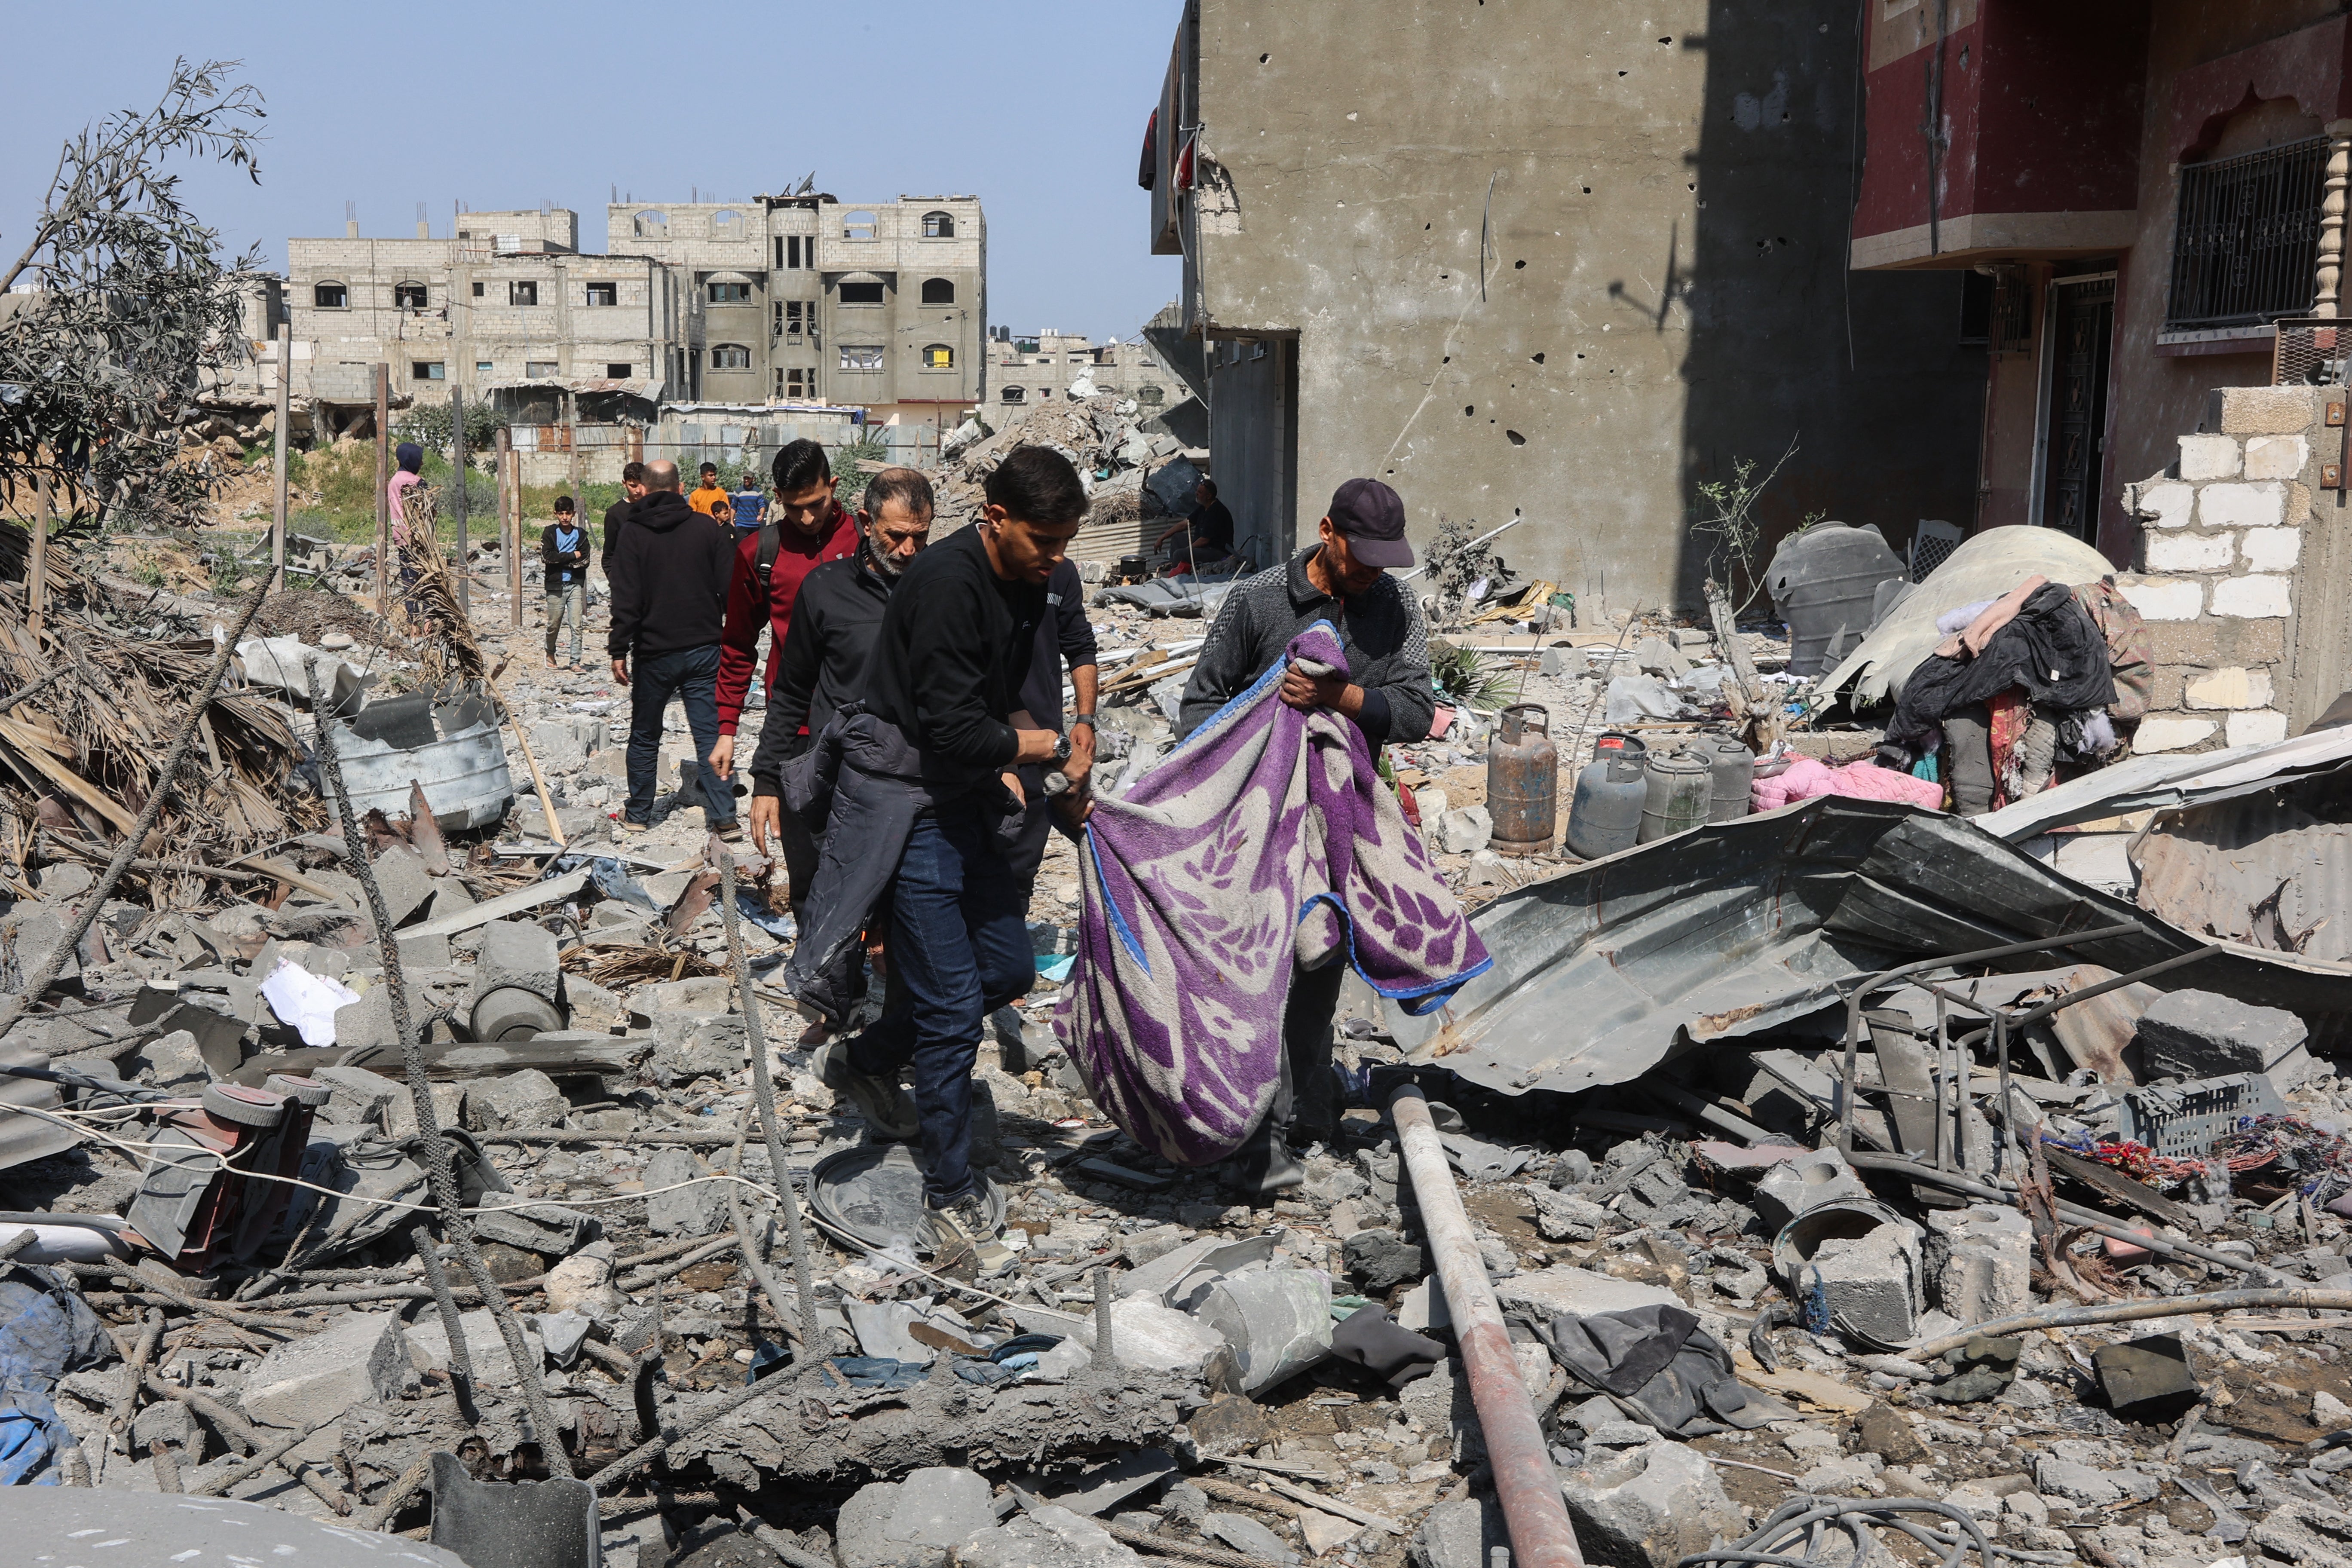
{"x": 517, "y": 954}
{"x": 1465, "y": 830}
{"x": 2277, "y": 457}
{"x": 1791, "y": 1188}
{"x": 704, "y": 993}
{"x": 2230, "y": 688}
{"x": 1459, "y": 1534}
{"x": 1248, "y": 1537}
{"x": 582, "y": 1283}
{"x": 1381, "y": 1260}
{"x": 167, "y": 1421}
{"x": 1979, "y": 1261}
{"x": 2209, "y": 644}
{"x": 2271, "y": 549}
{"x": 2242, "y": 505}
{"x": 2189, "y": 552}
{"x": 428, "y": 1346}
{"x": 2089, "y": 1487}
{"x": 592, "y": 1008}
{"x": 525, "y": 1097}
{"x": 2199, "y": 1033}
{"x": 2167, "y": 503}
{"x": 697, "y": 1210}
{"x": 560, "y": 747}
{"x": 2165, "y": 598}
{"x": 2162, "y": 732}
{"x": 420, "y": 951}
{"x": 1873, "y": 1281}
{"x": 939, "y": 1507}
{"x": 2258, "y": 728}
{"x": 2261, "y": 410}
{"x": 361, "y": 1097}
{"x": 350, "y": 1361}
{"x": 2209, "y": 458}
{"x": 689, "y": 1046}
{"x": 173, "y": 1062}
{"x": 1648, "y": 1506}
{"x": 400, "y": 872}
{"x": 2254, "y": 598}
{"x": 1145, "y": 1333}
{"x": 448, "y": 1103}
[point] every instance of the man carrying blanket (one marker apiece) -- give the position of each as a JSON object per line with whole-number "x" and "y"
{"x": 1343, "y": 580}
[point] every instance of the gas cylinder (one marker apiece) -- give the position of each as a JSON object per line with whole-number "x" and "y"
{"x": 1734, "y": 768}
{"x": 1678, "y": 789}
{"x": 1523, "y": 782}
{"x": 1604, "y": 816}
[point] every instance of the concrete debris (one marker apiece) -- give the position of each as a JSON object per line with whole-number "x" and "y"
{"x": 2196, "y": 1034}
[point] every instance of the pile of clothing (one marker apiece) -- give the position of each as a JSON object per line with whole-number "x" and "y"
{"x": 2023, "y": 685}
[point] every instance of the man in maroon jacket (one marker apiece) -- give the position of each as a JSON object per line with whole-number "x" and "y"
{"x": 808, "y": 528}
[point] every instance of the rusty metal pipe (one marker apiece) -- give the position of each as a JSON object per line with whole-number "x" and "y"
{"x": 1525, "y": 1482}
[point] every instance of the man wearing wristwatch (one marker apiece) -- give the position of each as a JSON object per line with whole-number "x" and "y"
{"x": 1063, "y": 636}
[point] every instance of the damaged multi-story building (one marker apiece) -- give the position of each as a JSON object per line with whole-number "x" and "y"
{"x": 803, "y": 300}
{"x": 2136, "y": 193}
{"x": 1565, "y": 274}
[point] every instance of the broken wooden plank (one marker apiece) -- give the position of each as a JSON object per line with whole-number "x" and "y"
{"x": 533, "y": 897}
{"x": 2133, "y": 1194}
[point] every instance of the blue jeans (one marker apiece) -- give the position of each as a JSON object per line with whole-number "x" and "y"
{"x": 958, "y": 950}
{"x": 690, "y": 674}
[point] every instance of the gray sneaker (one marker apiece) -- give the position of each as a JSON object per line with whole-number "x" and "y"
{"x": 888, "y": 1110}
{"x": 960, "y": 1232}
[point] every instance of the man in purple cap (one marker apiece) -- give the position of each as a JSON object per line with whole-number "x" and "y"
{"x": 1343, "y": 578}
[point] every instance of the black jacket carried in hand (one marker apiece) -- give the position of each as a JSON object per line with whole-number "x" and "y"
{"x": 563, "y": 568}
{"x": 836, "y": 618}
{"x": 669, "y": 571}
{"x": 951, "y": 656}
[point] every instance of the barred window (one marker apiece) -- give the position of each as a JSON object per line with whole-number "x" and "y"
{"x": 2246, "y": 247}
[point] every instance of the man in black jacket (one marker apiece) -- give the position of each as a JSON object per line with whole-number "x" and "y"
{"x": 669, "y": 570}
{"x": 925, "y": 789}
{"x": 835, "y": 618}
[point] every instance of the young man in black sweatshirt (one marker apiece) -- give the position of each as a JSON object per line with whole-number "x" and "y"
{"x": 563, "y": 561}
{"x": 669, "y": 570}
{"x": 942, "y": 701}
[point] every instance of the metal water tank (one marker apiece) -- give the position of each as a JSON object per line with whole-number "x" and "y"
{"x": 1824, "y": 583}
{"x": 1604, "y": 814}
{"x": 1678, "y": 789}
{"x": 1523, "y": 782}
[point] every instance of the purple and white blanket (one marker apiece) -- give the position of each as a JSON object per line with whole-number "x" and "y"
{"x": 1267, "y": 836}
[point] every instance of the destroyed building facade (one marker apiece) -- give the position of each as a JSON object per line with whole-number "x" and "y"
{"x": 2136, "y": 194}
{"x": 804, "y": 300}
{"x": 1569, "y": 281}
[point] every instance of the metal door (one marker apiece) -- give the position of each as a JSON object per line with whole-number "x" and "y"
{"x": 2082, "y": 324}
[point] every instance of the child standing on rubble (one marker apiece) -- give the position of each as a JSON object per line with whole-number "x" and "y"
{"x": 564, "y": 554}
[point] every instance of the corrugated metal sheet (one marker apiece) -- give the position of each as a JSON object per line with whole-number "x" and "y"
{"x": 2263, "y": 870}
{"x": 1742, "y": 928}
{"x": 2167, "y": 779}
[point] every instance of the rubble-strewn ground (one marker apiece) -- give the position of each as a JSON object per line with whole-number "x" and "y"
{"x": 630, "y": 1124}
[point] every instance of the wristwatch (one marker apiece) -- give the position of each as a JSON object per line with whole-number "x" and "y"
{"x": 1062, "y": 747}
{"x": 1085, "y": 719}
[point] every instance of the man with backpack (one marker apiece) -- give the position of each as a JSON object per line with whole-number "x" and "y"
{"x": 807, "y": 529}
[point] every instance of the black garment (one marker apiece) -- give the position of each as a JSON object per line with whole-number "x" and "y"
{"x": 614, "y": 516}
{"x": 1658, "y": 1359}
{"x": 836, "y": 618}
{"x": 1213, "y": 531}
{"x": 1064, "y": 636}
{"x": 950, "y": 658}
{"x": 1306, "y": 1103}
{"x": 562, "y": 567}
{"x": 669, "y": 573}
{"x": 2052, "y": 650}
{"x": 1381, "y": 631}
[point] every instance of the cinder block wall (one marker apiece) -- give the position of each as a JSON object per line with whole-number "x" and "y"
{"x": 2241, "y": 576}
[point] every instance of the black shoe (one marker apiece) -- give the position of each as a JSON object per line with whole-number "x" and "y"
{"x": 958, "y": 1232}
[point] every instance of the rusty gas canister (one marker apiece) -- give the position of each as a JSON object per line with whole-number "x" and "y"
{"x": 1523, "y": 782}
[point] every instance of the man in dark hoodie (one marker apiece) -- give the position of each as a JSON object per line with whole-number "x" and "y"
{"x": 669, "y": 569}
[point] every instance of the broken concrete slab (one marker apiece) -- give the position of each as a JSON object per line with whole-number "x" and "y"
{"x": 696, "y": 1209}
{"x": 1979, "y": 1261}
{"x": 1648, "y": 1506}
{"x": 428, "y": 1346}
{"x": 400, "y": 875}
{"x": 520, "y": 954}
{"x": 1792, "y": 1187}
{"x": 1248, "y": 1537}
{"x": 306, "y": 1381}
{"x": 527, "y": 1098}
{"x": 1379, "y": 1260}
{"x": 1872, "y": 1282}
{"x": 2198, "y": 1034}
{"x": 1043, "y": 1537}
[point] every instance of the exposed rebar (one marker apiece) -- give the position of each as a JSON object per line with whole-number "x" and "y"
{"x": 763, "y": 1092}
{"x": 439, "y": 1170}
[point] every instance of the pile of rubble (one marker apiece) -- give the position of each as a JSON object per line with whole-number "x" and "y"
{"x": 1110, "y": 441}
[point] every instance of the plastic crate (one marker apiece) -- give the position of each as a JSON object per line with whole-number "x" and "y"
{"x": 2183, "y": 1120}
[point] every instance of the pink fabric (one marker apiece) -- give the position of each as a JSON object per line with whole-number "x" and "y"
{"x": 1864, "y": 780}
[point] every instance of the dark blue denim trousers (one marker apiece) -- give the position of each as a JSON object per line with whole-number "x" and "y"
{"x": 690, "y": 674}
{"x": 959, "y": 950}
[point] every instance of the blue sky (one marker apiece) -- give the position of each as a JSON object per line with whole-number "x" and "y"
{"x": 1036, "y": 107}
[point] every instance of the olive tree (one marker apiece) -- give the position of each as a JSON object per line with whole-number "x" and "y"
{"x": 119, "y": 301}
